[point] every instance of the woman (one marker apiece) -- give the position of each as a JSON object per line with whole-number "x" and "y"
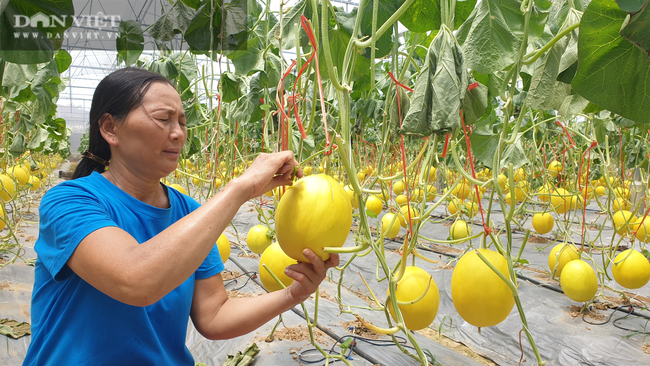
{"x": 123, "y": 260}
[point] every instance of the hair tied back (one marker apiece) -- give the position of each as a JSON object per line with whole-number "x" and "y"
{"x": 89, "y": 155}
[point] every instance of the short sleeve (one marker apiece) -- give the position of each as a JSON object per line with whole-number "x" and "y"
{"x": 68, "y": 213}
{"x": 212, "y": 264}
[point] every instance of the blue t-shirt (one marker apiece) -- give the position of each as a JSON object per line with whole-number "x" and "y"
{"x": 75, "y": 324}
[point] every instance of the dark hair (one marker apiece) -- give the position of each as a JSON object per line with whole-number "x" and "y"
{"x": 117, "y": 94}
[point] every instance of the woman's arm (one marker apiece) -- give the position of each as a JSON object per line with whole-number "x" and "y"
{"x": 112, "y": 261}
{"x": 216, "y": 316}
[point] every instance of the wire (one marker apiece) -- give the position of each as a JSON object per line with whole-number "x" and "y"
{"x": 629, "y": 310}
{"x": 302, "y": 356}
{"x": 249, "y": 275}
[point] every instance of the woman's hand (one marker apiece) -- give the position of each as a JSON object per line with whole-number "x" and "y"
{"x": 269, "y": 171}
{"x": 308, "y": 276}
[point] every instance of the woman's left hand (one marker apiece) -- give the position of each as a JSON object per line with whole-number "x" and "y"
{"x": 308, "y": 276}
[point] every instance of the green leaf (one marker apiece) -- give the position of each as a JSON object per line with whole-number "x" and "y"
{"x": 484, "y": 145}
{"x": 194, "y": 145}
{"x": 198, "y": 35}
{"x": 339, "y": 39}
{"x": 164, "y": 67}
{"x": 475, "y": 103}
{"x": 511, "y": 10}
{"x": 18, "y": 145}
{"x": 372, "y": 214}
{"x": 234, "y": 28}
{"x": 175, "y": 21}
{"x": 439, "y": 90}
{"x": 600, "y": 128}
{"x": 637, "y": 29}
{"x": 487, "y": 42}
{"x": 194, "y": 4}
{"x": 63, "y": 60}
{"x": 272, "y": 71}
{"x": 631, "y": 6}
{"x": 573, "y": 104}
{"x": 187, "y": 70}
{"x": 463, "y": 10}
{"x": 249, "y": 60}
{"x": 288, "y": 21}
{"x": 23, "y": 44}
{"x": 424, "y": 15}
{"x": 45, "y": 89}
{"x": 559, "y": 11}
{"x": 247, "y": 109}
{"x": 592, "y": 108}
{"x": 230, "y": 85}
{"x": 403, "y": 106}
{"x": 515, "y": 154}
{"x": 38, "y": 139}
{"x": 385, "y": 9}
{"x": 612, "y": 72}
{"x": 130, "y": 42}
{"x": 646, "y": 253}
{"x": 546, "y": 92}
{"x": 193, "y": 115}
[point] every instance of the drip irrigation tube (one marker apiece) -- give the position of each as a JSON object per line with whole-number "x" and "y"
{"x": 331, "y": 334}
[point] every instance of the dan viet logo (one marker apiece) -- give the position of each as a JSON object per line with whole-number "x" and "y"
{"x": 39, "y": 20}
{"x": 99, "y": 21}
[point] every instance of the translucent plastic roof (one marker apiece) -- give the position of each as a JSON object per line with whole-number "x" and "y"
{"x": 91, "y": 43}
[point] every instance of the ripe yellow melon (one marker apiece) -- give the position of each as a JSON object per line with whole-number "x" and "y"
{"x": 631, "y": 269}
{"x": 568, "y": 253}
{"x": 579, "y": 281}
{"x": 258, "y": 239}
{"x": 313, "y": 213}
{"x": 224, "y": 247}
{"x": 480, "y": 296}
{"x": 413, "y": 284}
{"x": 277, "y": 261}
{"x": 7, "y": 188}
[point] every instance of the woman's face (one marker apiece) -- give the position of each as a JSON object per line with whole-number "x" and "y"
{"x": 152, "y": 135}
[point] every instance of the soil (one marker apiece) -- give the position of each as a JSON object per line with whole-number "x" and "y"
{"x": 456, "y": 346}
{"x": 296, "y": 334}
{"x": 356, "y": 327}
{"x": 618, "y": 301}
{"x": 363, "y": 297}
{"x": 446, "y": 250}
{"x": 229, "y": 275}
{"x": 248, "y": 255}
{"x": 538, "y": 239}
{"x": 445, "y": 266}
{"x": 591, "y": 314}
{"x": 237, "y": 294}
{"x": 323, "y": 294}
{"x": 543, "y": 276}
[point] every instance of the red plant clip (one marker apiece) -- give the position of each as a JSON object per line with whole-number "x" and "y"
{"x": 472, "y": 86}
{"x": 573, "y": 144}
{"x": 398, "y": 83}
{"x": 306, "y": 25}
{"x": 444, "y": 150}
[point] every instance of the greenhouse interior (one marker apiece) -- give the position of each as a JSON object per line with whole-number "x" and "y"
{"x": 316, "y": 182}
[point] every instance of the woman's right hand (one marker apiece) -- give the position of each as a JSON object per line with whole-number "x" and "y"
{"x": 267, "y": 172}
